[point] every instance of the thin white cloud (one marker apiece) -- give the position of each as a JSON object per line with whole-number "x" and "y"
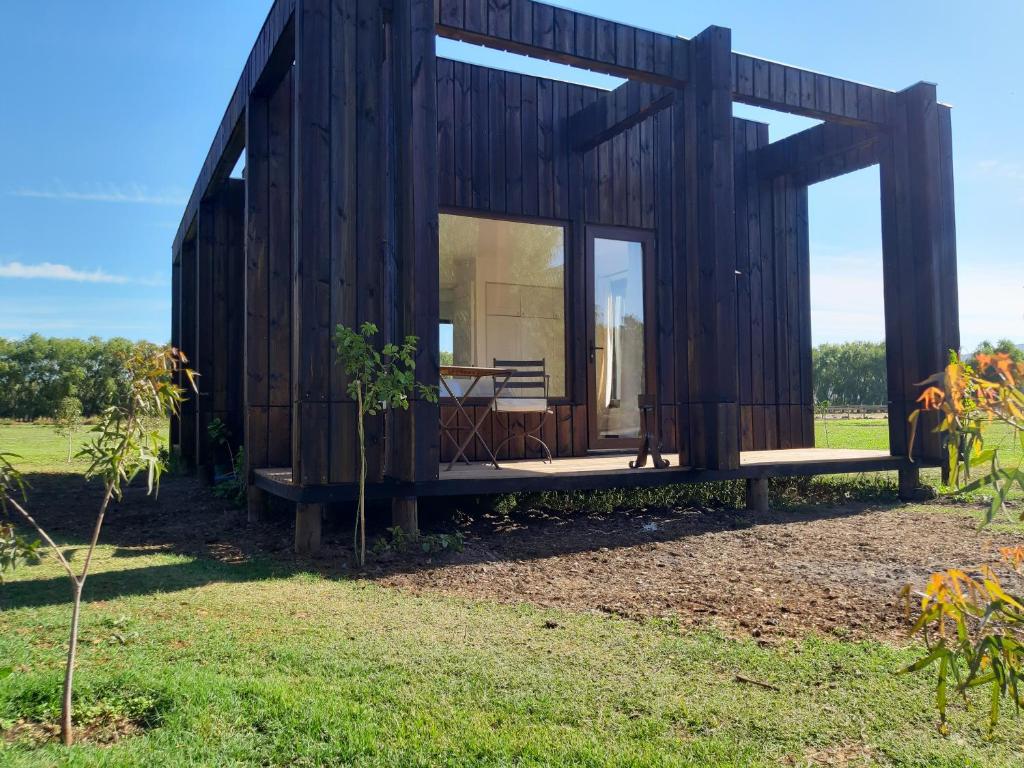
{"x": 103, "y": 193}
{"x": 48, "y": 271}
{"x": 1004, "y": 170}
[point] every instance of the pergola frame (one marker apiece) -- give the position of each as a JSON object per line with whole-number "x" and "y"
{"x": 336, "y": 108}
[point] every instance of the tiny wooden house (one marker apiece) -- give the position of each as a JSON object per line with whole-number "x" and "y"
{"x": 639, "y": 241}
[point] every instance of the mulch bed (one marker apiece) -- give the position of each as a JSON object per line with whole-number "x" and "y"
{"x": 831, "y": 570}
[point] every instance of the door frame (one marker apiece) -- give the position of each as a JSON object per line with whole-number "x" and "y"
{"x": 646, "y": 238}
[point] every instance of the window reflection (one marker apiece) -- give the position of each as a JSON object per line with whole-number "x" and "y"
{"x": 619, "y": 336}
{"x": 502, "y": 293}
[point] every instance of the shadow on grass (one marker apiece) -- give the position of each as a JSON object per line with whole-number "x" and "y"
{"x": 147, "y": 580}
{"x": 187, "y": 519}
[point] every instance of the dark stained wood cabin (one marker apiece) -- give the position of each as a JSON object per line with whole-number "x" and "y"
{"x": 495, "y": 215}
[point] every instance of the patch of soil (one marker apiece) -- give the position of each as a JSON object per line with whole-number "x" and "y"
{"x": 784, "y": 574}
{"x": 103, "y": 732}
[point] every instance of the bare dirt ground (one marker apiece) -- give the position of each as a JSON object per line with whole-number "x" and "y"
{"x": 831, "y": 570}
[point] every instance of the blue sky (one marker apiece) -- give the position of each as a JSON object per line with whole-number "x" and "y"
{"x": 109, "y": 109}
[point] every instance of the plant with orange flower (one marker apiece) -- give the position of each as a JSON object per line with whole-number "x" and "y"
{"x": 973, "y": 630}
{"x": 969, "y": 399}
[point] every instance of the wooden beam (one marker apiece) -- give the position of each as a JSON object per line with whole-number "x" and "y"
{"x": 820, "y": 153}
{"x": 555, "y": 34}
{"x": 270, "y": 51}
{"x": 764, "y": 83}
{"x": 617, "y": 111}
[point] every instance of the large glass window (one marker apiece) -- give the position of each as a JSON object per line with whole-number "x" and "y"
{"x": 503, "y": 293}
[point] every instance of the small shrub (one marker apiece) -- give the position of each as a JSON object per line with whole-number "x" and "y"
{"x": 233, "y": 488}
{"x": 396, "y": 540}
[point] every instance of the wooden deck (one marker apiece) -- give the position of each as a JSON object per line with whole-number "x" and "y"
{"x": 598, "y": 471}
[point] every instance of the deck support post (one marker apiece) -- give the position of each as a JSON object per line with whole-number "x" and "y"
{"x": 757, "y": 494}
{"x": 909, "y": 483}
{"x": 308, "y": 523}
{"x": 257, "y": 503}
{"x": 405, "y": 514}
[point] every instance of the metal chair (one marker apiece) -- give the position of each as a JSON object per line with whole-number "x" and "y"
{"x": 525, "y": 392}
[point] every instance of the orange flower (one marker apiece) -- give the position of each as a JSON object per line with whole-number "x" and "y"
{"x": 1003, "y": 364}
{"x": 931, "y": 398}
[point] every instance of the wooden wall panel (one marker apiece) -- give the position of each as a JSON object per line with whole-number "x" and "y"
{"x": 773, "y": 300}
{"x": 364, "y": 216}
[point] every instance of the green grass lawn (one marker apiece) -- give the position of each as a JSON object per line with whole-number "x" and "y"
{"x": 40, "y": 448}
{"x": 873, "y": 434}
{"x": 242, "y": 665}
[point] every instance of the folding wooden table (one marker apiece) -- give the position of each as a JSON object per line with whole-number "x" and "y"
{"x": 449, "y": 426}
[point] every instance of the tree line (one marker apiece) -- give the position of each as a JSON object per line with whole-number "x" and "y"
{"x": 853, "y": 373}
{"x": 37, "y": 372}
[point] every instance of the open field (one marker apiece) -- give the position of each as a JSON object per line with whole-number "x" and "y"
{"x": 40, "y": 448}
{"x": 692, "y": 637}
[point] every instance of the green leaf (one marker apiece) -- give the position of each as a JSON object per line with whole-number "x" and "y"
{"x": 939, "y": 652}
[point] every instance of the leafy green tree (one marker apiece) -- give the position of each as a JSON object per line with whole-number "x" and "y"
{"x": 852, "y": 373}
{"x": 376, "y": 380}
{"x": 36, "y": 372}
{"x": 125, "y": 443}
{"x": 68, "y": 420}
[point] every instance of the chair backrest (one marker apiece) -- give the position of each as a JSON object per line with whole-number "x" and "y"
{"x": 529, "y": 378}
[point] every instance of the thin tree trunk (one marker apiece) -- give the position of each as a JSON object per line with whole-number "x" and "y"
{"x": 70, "y": 438}
{"x": 67, "y": 732}
{"x": 361, "y": 512}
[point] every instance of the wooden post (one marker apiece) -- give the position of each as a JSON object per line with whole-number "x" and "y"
{"x": 919, "y": 259}
{"x": 308, "y": 523}
{"x": 413, "y": 441}
{"x": 174, "y": 438}
{"x": 757, "y": 494}
{"x": 706, "y": 272}
{"x": 405, "y": 514}
{"x": 910, "y": 482}
{"x": 256, "y": 503}
{"x": 187, "y": 334}
{"x": 312, "y": 254}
